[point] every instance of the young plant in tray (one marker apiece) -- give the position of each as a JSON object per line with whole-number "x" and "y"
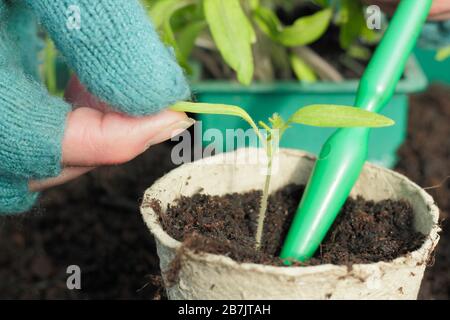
{"x": 270, "y": 133}
{"x": 248, "y": 38}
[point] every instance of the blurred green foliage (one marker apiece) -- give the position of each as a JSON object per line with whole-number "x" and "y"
{"x": 237, "y": 26}
{"x": 244, "y": 32}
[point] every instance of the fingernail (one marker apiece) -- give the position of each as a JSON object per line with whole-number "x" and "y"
{"x": 171, "y": 131}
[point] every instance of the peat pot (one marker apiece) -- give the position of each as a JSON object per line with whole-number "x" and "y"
{"x": 209, "y": 276}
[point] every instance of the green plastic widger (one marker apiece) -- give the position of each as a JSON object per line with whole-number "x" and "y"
{"x": 344, "y": 154}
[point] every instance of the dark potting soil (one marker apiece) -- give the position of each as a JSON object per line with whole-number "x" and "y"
{"x": 364, "y": 232}
{"x": 95, "y": 223}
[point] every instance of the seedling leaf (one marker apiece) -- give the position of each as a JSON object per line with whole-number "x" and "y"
{"x": 210, "y": 108}
{"x": 339, "y": 117}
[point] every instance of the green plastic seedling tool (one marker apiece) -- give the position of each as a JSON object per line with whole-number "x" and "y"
{"x": 342, "y": 157}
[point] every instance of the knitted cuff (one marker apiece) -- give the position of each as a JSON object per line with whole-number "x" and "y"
{"x": 435, "y": 35}
{"x": 115, "y": 52}
{"x": 32, "y": 126}
{"x": 14, "y": 196}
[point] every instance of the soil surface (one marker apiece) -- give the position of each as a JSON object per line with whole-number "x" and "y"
{"x": 364, "y": 232}
{"x": 95, "y": 223}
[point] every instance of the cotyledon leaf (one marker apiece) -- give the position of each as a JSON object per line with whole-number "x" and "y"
{"x": 210, "y": 108}
{"x": 336, "y": 116}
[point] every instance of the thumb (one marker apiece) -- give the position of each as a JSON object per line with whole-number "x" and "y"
{"x": 95, "y": 135}
{"x": 93, "y": 138}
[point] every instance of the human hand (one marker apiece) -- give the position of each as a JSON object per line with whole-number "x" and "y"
{"x": 439, "y": 11}
{"x": 97, "y": 136}
{"x": 117, "y": 55}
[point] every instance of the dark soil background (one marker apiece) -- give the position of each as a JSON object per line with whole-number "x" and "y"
{"x": 94, "y": 222}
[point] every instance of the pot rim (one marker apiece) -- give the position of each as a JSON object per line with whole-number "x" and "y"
{"x": 412, "y": 258}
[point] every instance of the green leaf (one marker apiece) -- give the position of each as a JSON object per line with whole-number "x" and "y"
{"x": 254, "y": 4}
{"x": 161, "y": 13}
{"x": 443, "y": 54}
{"x": 163, "y": 10}
{"x": 233, "y": 35}
{"x": 339, "y": 117}
{"x": 50, "y": 66}
{"x": 210, "y": 108}
{"x": 352, "y": 21}
{"x": 322, "y": 3}
{"x": 268, "y": 22}
{"x": 359, "y": 52}
{"x": 306, "y": 30}
{"x": 302, "y": 71}
{"x": 279, "y": 124}
{"x": 277, "y": 121}
{"x": 369, "y": 36}
{"x": 187, "y": 36}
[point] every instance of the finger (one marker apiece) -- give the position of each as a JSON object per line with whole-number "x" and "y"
{"x": 93, "y": 138}
{"x": 78, "y": 96}
{"x": 440, "y": 10}
{"x": 66, "y": 175}
{"x": 440, "y": 16}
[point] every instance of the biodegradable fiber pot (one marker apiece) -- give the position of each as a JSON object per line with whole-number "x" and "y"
{"x": 209, "y": 276}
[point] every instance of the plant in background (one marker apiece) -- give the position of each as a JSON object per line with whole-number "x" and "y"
{"x": 271, "y": 133}
{"x": 247, "y": 31}
{"x": 443, "y": 53}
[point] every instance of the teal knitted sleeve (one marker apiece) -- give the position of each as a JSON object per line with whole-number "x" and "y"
{"x": 115, "y": 52}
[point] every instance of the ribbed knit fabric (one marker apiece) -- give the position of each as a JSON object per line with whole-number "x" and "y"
{"x": 14, "y": 195}
{"x": 115, "y": 52}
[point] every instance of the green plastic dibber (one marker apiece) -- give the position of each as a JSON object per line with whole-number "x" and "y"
{"x": 344, "y": 154}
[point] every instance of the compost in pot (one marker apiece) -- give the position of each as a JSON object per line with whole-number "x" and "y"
{"x": 365, "y": 231}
